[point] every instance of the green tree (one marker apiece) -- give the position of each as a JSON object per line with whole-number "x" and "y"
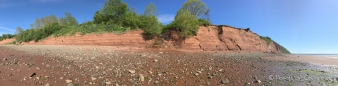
{"x": 131, "y": 19}
{"x": 151, "y": 10}
{"x": 39, "y": 23}
{"x": 18, "y": 31}
{"x": 113, "y": 11}
{"x": 197, "y": 8}
{"x": 69, "y": 20}
{"x": 149, "y": 22}
{"x": 185, "y": 23}
{"x": 98, "y": 17}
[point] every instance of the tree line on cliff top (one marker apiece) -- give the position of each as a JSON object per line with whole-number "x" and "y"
{"x": 116, "y": 17}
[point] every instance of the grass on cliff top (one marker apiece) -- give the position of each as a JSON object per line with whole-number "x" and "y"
{"x": 90, "y": 28}
{"x": 268, "y": 40}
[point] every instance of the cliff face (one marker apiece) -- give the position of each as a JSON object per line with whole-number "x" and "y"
{"x": 7, "y": 41}
{"x": 224, "y": 38}
{"x": 210, "y": 38}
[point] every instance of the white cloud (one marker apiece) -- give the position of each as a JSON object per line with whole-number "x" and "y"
{"x": 166, "y": 18}
{"x": 6, "y": 29}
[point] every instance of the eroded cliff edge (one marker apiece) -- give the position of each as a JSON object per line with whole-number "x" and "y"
{"x": 208, "y": 38}
{"x": 223, "y": 38}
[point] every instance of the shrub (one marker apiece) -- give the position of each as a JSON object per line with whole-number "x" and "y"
{"x": 204, "y": 22}
{"x": 6, "y": 36}
{"x": 185, "y": 23}
{"x": 131, "y": 20}
{"x": 151, "y": 26}
{"x": 267, "y": 39}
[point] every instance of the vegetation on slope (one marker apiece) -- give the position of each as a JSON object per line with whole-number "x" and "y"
{"x": 6, "y": 36}
{"x": 192, "y": 14}
{"x": 268, "y": 40}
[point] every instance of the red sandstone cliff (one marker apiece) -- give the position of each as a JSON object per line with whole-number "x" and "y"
{"x": 7, "y": 41}
{"x": 224, "y": 38}
{"x": 211, "y": 38}
{"x": 131, "y": 38}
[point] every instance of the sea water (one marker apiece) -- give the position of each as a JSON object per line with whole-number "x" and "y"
{"x": 321, "y": 55}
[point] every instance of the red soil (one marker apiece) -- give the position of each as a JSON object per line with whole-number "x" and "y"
{"x": 7, "y": 41}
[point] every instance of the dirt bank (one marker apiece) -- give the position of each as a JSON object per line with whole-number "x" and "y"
{"x": 128, "y": 39}
{"x": 6, "y": 41}
{"x": 222, "y": 38}
{"x": 210, "y": 38}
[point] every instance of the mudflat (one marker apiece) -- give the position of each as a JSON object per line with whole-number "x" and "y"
{"x": 53, "y": 65}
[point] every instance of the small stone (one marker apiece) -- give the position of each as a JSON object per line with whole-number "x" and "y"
{"x": 141, "y": 77}
{"x": 47, "y": 84}
{"x": 160, "y": 52}
{"x": 48, "y": 66}
{"x": 69, "y": 81}
{"x": 93, "y": 78}
{"x": 225, "y": 81}
{"x": 209, "y": 77}
{"x": 132, "y": 71}
{"x": 196, "y": 74}
{"x": 61, "y": 78}
{"x": 156, "y": 82}
{"x": 46, "y": 77}
{"x": 108, "y": 83}
{"x": 155, "y": 60}
{"x": 258, "y": 81}
{"x": 33, "y": 74}
{"x": 142, "y": 55}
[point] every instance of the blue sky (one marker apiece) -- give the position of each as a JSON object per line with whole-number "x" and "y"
{"x": 302, "y": 26}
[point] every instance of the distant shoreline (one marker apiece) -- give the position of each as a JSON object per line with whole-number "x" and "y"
{"x": 320, "y": 59}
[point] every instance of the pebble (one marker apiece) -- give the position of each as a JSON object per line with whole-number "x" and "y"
{"x": 258, "y": 81}
{"x": 225, "y": 81}
{"x": 108, "y": 83}
{"x": 93, "y": 78}
{"x": 69, "y": 81}
{"x": 196, "y": 74}
{"x": 141, "y": 77}
{"x": 132, "y": 71}
{"x": 33, "y": 74}
{"x": 155, "y": 60}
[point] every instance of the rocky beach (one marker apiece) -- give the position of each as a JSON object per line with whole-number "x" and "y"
{"x": 60, "y": 65}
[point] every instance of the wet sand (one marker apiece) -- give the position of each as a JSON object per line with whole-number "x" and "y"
{"x": 318, "y": 60}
